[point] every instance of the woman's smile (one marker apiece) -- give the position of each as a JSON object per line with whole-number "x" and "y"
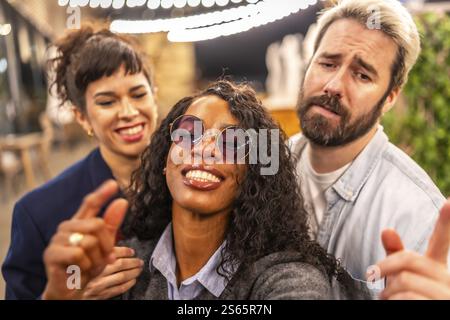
{"x": 132, "y": 133}
{"x": 203, "y": 178}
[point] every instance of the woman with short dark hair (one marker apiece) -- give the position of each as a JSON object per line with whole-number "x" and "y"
{"x": 104, "y": 77}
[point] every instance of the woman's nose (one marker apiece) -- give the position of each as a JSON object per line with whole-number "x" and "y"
{"x": 206, "y": 147}
{"x": 128, "y": 110}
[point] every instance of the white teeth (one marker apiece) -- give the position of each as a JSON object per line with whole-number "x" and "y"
{"x": 132, "y": 131}
{"x": 202, "y": 176}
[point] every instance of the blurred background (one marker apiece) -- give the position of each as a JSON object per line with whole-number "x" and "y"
{"x": 233, "y": 38}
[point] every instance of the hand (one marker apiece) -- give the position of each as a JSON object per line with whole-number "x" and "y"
{"x": 94, "y": 251}
{"x": 413, "y": 276}
{"x": 117, "y": 277}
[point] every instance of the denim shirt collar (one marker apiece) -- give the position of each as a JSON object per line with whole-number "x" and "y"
{"x": 351, "y": 182}
{"x": 163, "y": 259}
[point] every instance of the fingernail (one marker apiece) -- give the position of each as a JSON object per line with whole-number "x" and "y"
{"x": 141, "y": 263}
{"x": 132, "y": 252}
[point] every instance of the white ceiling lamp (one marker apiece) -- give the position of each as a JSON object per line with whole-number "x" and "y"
{"x": 194, "y": 3}
{"x": 63, "y": 3}
{"x": 83, "y": 3}
{"x": 94, "y": 3}
{"x": 118, "y": 4}
{"x": 222, "y": 3}
{"x": 179, "y": 3}
{"x": 5, "y": 29}
{"x": 208, "y": 3}
{"x": 105, "y": 3}
{"x": 131, "y": 3}
{"x": 215, "y": 24}
{"x": 166, "y": 4}
{"x": 153, "y": 4}
{"x": 135, "y": 3}
{"x": 195, "y": 21}
{"x": 272, "y": 11}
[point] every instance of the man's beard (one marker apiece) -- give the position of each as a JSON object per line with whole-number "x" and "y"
{"x": 322, "y": 131}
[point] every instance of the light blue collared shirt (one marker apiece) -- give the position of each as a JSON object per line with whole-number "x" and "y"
{"x": 382, "y": 188}
{"x": 164, "y": 260}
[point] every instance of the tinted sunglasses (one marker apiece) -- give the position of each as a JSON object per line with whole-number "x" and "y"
{"x": 187, "y": 130}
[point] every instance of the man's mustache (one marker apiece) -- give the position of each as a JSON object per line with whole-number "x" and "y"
{"x": 330, "y": 103}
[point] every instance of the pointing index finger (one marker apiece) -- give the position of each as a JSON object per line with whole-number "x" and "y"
{"x": 439, "y": 244}
{"x": 94, "y": 201}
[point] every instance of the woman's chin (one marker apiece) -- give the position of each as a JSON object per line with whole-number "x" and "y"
{"x": 197, "y": 205}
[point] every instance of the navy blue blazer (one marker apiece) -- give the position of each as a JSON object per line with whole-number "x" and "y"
{"x": 36, "y": 217}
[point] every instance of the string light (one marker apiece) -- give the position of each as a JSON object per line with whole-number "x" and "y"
{"x": 118, "y": 4}
{"x": 152, "y": 4}
{"x": 208, "y": 3}
{"x": 5, "y": 29}
{"x": 251, "y": 14}
{"x": 179, "y": 3}
{"x": 94, "y": 3}
{"x": 222, "y": 3}
{"x": 194, "y": 3}
{"x": 215, "y": 24}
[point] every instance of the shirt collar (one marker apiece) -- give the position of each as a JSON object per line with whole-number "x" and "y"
{"x": 163, "y": 259}
{"x": 351, "y": 182}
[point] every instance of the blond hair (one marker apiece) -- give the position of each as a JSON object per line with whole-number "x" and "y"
{"x": 389, "y": 16}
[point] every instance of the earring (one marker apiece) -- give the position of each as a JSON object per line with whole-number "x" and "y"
{"x": 90, "y": 133}
{"x": 164, "y": 171}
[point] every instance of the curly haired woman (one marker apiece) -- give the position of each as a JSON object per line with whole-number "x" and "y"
{"x": 209, "y": 229}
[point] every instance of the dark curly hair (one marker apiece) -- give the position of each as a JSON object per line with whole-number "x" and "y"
{"x": 267, "y": 215}
{"x": 86, "y": 55}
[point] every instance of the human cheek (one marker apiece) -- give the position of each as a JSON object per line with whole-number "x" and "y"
{"x": 149, "y": 112}
{"x": 314, "y": 82}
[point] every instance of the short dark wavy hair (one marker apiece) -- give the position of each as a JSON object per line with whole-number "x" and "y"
{"x": 268, "y": 214}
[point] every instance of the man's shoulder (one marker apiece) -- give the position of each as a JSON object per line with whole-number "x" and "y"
{"x": 406, "y": 177}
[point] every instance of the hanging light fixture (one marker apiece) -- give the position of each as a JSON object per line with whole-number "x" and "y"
{"x": 218, "y": 17}
{"x": 118, "y": 4}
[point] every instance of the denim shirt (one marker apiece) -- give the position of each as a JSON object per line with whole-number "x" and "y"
{"x": 382, "y": 188}
{"x": 163, "y": 259}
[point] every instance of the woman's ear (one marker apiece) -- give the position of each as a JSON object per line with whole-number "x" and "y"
{"x": 83, "y": 121}
{"x": 155, "y": 92}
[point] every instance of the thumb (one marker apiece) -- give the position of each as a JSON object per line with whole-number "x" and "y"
{"x": 391, "y": 241}
{"x": 440, "y": 239}
{"x": 114, "y": 215}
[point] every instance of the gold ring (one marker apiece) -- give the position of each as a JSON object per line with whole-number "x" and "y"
{"x": 75, "y": 238}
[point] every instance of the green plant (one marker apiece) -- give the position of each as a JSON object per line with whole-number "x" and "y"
{"x": 422, "y": 126}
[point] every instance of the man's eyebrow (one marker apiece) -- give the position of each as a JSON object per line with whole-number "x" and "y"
{"x": 331, "y": 56}
{"x": 366, "y": 66}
